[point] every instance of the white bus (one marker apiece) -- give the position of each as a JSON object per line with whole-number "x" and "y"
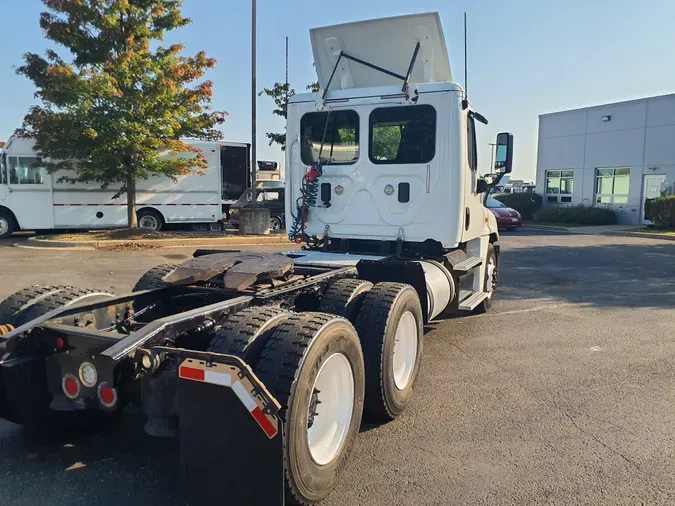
{"x": 32, "y": 199}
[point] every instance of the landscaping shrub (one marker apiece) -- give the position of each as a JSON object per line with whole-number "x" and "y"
{"x": 581, "y": 215}
{"x": 526, "y": 203}
{"x": 662, "y": 211}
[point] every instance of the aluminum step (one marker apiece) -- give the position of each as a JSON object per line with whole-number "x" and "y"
{"x": 471, "y": 302}
{"x": 467, "y": 265}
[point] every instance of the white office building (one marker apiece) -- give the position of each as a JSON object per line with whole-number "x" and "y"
{"x": 614, "y": 155}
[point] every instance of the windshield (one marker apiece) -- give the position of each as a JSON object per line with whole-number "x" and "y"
{"x": 246, "y": 197}
{"x": 492, "y": 202}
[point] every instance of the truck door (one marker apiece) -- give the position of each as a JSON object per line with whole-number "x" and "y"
{"x": 27, "y": 192}
{"x": 234, "y": 165}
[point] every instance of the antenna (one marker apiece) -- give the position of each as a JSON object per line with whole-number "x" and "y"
{"x": 287, "y": 76}
{"x": 466, "y": 65}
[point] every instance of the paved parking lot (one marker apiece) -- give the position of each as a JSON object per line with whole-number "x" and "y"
{"x": 563, "y": 394}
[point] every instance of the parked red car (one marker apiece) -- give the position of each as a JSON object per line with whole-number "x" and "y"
{"x": 507, "y": 218}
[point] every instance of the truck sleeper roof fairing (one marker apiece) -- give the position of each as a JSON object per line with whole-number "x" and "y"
{"x": 388, "y": 43}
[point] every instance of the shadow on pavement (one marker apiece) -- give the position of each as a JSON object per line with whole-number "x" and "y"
{"x": 619, "y": 275}
{"x": 120, "y": 465}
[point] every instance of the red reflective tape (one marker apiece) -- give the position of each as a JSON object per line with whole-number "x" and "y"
{"x": 264, "y": 423}
{"x": 59, "y": 205}
{"x": 170, "y": 204}
{"x": 186, "y": 204}
{"x": 190, "y": 373}
{"x": 114, "y": 204}
{"x": 200, "y": 204}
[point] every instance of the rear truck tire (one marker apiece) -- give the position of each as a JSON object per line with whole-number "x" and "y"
{"x": 28, "y": 404}
{"x": 313, "y": 365}
{"x": 154, "y": 278}
{"x": 66, "y": 297}
{"x": 7, "y": 225}
{"x": 390, "y": 326}
{"x": 15, "y": 304}
{"x": 344, "y": 298}
{"x": 149, "y": 219}
{"x": 245, "y": 333}
{"x": 490, "y": 280}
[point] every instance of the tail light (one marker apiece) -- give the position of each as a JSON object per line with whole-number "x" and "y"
{"x": 107, "y": 395}
{"x": 70, "y": 386}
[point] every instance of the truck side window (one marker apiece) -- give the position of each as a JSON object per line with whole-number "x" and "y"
{"x": 471, "y": 143}
{"x": 25, "y": 170}
{"x": 404, "y": 134}
{"x": 341, "y": 140}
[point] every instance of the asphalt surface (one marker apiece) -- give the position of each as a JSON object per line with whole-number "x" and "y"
{"x": 562, "y": 394}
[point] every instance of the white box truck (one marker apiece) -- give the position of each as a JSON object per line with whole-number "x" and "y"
{"x": 32, "y": 199}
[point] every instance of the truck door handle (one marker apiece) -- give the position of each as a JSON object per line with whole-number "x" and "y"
{"x": 325, "y": 194}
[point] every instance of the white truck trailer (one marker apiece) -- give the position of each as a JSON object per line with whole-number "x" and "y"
{"x": 263, "y": 365}
{"x": 32, "y": 199}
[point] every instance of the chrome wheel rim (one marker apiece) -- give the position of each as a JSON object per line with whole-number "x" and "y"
{"x": 405, "y": 350}
{"x": 275, "y": 224}
{"x": 148, "y": 222}
{"x": 4, "y": 226}
{"x": 330, "y": 409}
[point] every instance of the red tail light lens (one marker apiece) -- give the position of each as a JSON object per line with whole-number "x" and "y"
{"x": 107, "y": 395}
{"x": 70, "y": 386}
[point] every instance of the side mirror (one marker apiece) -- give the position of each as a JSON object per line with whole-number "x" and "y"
{"x": 482, "y": 186}
{"x": 504, "y": 153}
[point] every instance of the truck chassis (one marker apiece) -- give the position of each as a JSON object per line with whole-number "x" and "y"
{"x": 222, "y": 347}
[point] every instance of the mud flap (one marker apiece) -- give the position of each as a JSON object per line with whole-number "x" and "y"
{"x": 231, "y": 440}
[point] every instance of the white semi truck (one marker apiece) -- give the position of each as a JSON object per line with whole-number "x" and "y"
{"x": 32, "y": 199}
{"x": 263, "y": 365}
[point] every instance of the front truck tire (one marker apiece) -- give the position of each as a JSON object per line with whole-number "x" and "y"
{"x": 490, "y": 280}
{"x": 390, "y": 325}
{"x": 28, "y": 404}
{"x": 313, "y": 364}
{"x": 7, "y": 224}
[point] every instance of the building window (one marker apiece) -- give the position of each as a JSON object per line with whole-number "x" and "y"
{"x": 559, "y": 185}
{"x": 403, "y": 134}
{"x": 611, "y": 186}
{"x": 25, "y": 170}
{"x": 335, "y": 135}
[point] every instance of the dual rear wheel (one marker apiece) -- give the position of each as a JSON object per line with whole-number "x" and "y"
{"x": 324, "y": 373}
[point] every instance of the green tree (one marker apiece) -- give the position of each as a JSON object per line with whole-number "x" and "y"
{"x": 110, "y": 111}
{"x": 281, "y": 93}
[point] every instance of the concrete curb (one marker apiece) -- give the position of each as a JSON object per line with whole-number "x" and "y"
{"x": 196, "y": 242}
{"x": 546, "y": 227}
{"x": 642, "y": 235}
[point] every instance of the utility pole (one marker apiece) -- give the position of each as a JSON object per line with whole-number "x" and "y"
{"x": 254, "y": 96}
{"x": 492, "y": 153}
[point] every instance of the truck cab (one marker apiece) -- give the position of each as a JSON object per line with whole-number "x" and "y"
{"x": 394, "y": 139}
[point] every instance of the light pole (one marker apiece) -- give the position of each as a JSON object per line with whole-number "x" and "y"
{"x": 492, "y": 153}
{"x": 254, "y": 96}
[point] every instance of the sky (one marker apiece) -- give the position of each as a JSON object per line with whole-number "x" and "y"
{"x": 526, "y": 57}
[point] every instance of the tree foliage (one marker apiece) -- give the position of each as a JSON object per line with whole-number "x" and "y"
{"x": 281, "y": 93}
{"x": 118, "y": 106}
